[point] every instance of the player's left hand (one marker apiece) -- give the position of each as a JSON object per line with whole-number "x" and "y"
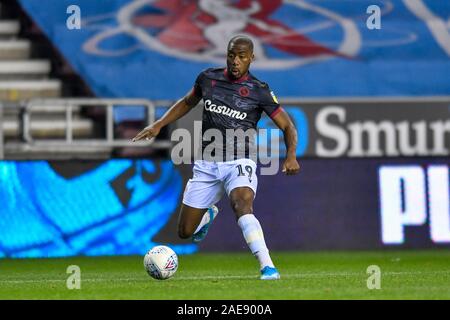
{"x": 291, "y": 166}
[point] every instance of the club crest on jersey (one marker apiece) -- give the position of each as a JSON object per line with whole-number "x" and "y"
{"x": 244, "y": 92}
{"x": 211, "y": 107}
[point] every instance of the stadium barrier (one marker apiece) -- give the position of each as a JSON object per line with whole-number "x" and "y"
{"x": 372, "y": 126}
{"x": 27, "y": 146}
{"x": 347, "y": 204}
{"x": 2, "y": 156}
{"x": 329, "y": 128}
{"x": 360, "y": 127}
{"x": 68, "y": 105}
{"x": 122, "y": 206}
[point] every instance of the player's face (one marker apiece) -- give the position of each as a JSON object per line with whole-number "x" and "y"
{"x": 239, "y": 57}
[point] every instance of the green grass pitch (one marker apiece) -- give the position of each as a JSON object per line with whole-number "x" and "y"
{"x": 305, "y": 275}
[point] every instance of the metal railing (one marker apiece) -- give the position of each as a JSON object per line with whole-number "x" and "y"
{"x": 2, "y": 143}
{"x": 68, "y": 106}
{"x": 24, "y": 110}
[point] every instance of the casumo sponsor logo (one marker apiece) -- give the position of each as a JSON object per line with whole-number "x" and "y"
{"x": 209, "y": 106}
{"x": 336, "y": 136}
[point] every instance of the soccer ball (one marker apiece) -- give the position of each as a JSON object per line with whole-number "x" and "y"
{"x": 161, "y": 262}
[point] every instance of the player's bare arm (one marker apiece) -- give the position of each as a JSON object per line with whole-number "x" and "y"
{"x": 178, "y": 110}
{"x": 282, "y": 120}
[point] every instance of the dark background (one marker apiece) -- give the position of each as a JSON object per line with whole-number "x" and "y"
{"x": 331, "y": 204}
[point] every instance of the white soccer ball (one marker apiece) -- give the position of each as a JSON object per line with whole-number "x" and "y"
{"x": 161, "y": 262}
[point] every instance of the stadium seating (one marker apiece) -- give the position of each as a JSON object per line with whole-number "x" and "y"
{"x": 24, "y": 77}
{"x": 14, "y": 49}
{"x": 20, "y": 76}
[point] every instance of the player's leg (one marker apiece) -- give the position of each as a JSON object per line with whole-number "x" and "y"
{"x": 188, "y": 220}
{"x": 201, "y": 193}
{"x": 242, "y": 203}
{"x": 241, "y": 185}
{"x": 195, "y": 222}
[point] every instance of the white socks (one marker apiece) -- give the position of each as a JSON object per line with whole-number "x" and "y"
{"x": 254, "y": 237}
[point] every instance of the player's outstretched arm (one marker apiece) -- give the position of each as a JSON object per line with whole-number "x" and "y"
{"x": 179, "y": 109}
{"x": 283, "y": 122}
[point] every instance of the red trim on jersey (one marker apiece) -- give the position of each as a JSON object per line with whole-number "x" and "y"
{"x": 241, "y": 79}
{"x": 276, "y": 111}
{"x": 195, "y": 92}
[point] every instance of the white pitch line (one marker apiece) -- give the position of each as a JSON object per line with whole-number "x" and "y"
{"x": 231, "y": 277}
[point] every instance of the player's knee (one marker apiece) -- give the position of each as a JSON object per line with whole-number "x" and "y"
{"x": 242, "y": 205}
{"x": 184, "y": 232}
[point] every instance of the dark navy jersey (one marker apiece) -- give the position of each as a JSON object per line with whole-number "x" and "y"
{"x": 233, "y": 104}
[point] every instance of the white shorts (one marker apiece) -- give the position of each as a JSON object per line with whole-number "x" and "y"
{"x": 211, "y": 179}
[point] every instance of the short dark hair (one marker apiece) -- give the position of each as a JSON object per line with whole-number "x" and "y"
{"x": 240, "y": 39}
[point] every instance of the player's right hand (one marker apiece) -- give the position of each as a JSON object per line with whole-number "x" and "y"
{"x": 147, "y": 133}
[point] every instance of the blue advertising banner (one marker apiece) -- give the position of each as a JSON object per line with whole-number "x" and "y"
{"x": 347, "y": 204}
{"x": 155, "y": 49}
{"x": 122, "y": 207}
{"x": 54, "y": 209}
